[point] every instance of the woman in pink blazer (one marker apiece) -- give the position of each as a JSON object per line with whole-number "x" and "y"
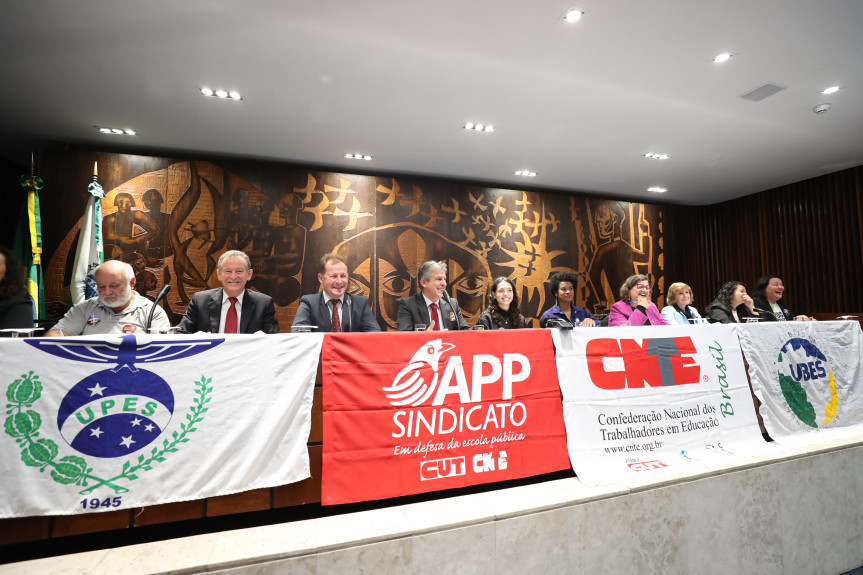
{"x": 635, "y": 307}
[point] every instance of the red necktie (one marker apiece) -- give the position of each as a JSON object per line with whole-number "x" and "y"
{"x": 231, "y": 318}
{"x": 434, "y": 317}
{"x": 337, "y": 322}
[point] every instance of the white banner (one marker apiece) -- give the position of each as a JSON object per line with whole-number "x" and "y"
{"x": 807, "y": 376}
{"x": 641, "y": 402}
{"x": 107, "y": 423}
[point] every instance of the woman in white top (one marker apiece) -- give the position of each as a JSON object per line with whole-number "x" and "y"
{"x": 678, "y": 305}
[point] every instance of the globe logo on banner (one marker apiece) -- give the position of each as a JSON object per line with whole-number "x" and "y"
{"x": 409, "y": 387}
{"x": 807, "y": 382}
{"x": 109, "y": 416}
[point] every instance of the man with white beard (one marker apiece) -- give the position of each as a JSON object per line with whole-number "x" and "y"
{"x": 117, "y": 308}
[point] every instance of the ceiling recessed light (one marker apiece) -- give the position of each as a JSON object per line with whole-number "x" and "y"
{"x": 365, "y": 157}
{"x": 723, "y": 57}
{"x": 830, "y": 90}
{"x": 573, "y": 15}
{"x": 656, "y": 156}
{"x": 221, "y": 93}
{"x": 116, "y": 131}
{"x": 526, "y": 173}
{"x": 657, "y": 189}
{"x": 478, "y": 127}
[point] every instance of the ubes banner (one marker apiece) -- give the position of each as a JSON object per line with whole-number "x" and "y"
{"x": 807, "y": 376}
{"x": 108, "y": 423}
{"x": 644, "y": 401}
{"x": 409, "y": 413}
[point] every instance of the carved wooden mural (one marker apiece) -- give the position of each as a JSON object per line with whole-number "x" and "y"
{"x": 172, "y": 222}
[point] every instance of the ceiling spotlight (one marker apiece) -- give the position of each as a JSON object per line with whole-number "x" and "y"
{"x": 526, "y": 173}
{"x": 720, "y": 58}
{"x": 116, "y": 131}
{"x": 830, "y": 90}
{"x": 821, "y": 108}
{"x": 573, "y": 15}
{"x": 655, "y": 156}
{"x": 220, "y": 93}
{"x": 479, "y": 127}
{"x": 656, "y": 189}
{"x": 365, "y": 157}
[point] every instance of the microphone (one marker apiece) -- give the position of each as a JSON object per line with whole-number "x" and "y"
{"x": 162, "y": 293}
{"x": 451, "y": 309}
{"x": 554, "y": 322}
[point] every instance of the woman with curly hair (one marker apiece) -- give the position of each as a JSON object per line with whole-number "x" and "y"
{"x": 733, "y": 305}
{"x": 502, "y": 311}
{"x": 562, "y": 286}
{"x": 16, "y": 308}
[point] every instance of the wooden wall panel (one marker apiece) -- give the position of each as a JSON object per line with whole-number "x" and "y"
{"x": 808, "y": 233}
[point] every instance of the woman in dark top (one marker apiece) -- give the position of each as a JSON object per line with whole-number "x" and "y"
{"x": 16, "y": 309}
{"x": 733, "y": 305}
{"x": 768, "y": 296}
{"x": 502, "y": 311}
{"x": 562, "y": 286}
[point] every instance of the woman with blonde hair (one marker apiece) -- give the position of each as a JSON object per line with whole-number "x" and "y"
{"x": 678, "y": 305}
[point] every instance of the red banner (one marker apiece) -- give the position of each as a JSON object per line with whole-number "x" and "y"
{"x": 409, "y": 413}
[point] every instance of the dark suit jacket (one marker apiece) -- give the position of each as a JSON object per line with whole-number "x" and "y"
{"x": 205, "y": 312}
{"x": 356, "y": 315}
{"x": 413, "y": 310}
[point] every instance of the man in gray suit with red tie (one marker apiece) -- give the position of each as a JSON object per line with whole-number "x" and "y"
{"x": 231, "y": 308}
{"x": 432, "y": 306}
{"x": 333, "y": 309}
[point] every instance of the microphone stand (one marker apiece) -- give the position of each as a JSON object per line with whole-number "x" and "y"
{"x": 160, "y": 297}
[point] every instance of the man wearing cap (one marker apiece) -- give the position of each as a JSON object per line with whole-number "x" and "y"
{"x": 333, "y": 309}
{"x": 117, "y": 309}
{"x": 231, "y": 308}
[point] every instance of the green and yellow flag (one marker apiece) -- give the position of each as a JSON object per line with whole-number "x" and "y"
{"x": 28, "y": 242}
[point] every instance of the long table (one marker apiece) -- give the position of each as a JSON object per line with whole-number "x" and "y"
{"x": 294, "y": 495}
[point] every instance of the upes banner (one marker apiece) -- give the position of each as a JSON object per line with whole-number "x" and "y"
{"x": 410, "y": 413}
{"x": 807, "y": 376}
{"x": 103, "y": 423}
{"x": 640, "y": 402}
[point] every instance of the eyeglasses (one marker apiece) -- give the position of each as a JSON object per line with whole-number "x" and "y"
{"x": 642, "y": 286}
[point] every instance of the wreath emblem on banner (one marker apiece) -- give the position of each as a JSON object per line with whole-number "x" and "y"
{"x": 77, "y": 416}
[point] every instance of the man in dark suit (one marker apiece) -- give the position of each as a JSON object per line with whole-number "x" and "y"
{"x": 432, "y": 306}
{"x": 231, "y": 308}
{"x": 333, "y": 303}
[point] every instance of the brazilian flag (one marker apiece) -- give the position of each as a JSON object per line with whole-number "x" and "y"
{"x": 28, "y": 243}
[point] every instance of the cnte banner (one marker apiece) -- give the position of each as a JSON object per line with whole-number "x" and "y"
{"x": 807, "y": 376}
{"x": 409, "y": 413}
{"x": 107, "y": 423}
{"x": 643, "y": 401}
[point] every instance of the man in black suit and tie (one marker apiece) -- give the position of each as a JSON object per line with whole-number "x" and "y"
{"x": 333, "y": 309}
{"x": 432, "y": 306}
{"x": 231, "y": 308}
